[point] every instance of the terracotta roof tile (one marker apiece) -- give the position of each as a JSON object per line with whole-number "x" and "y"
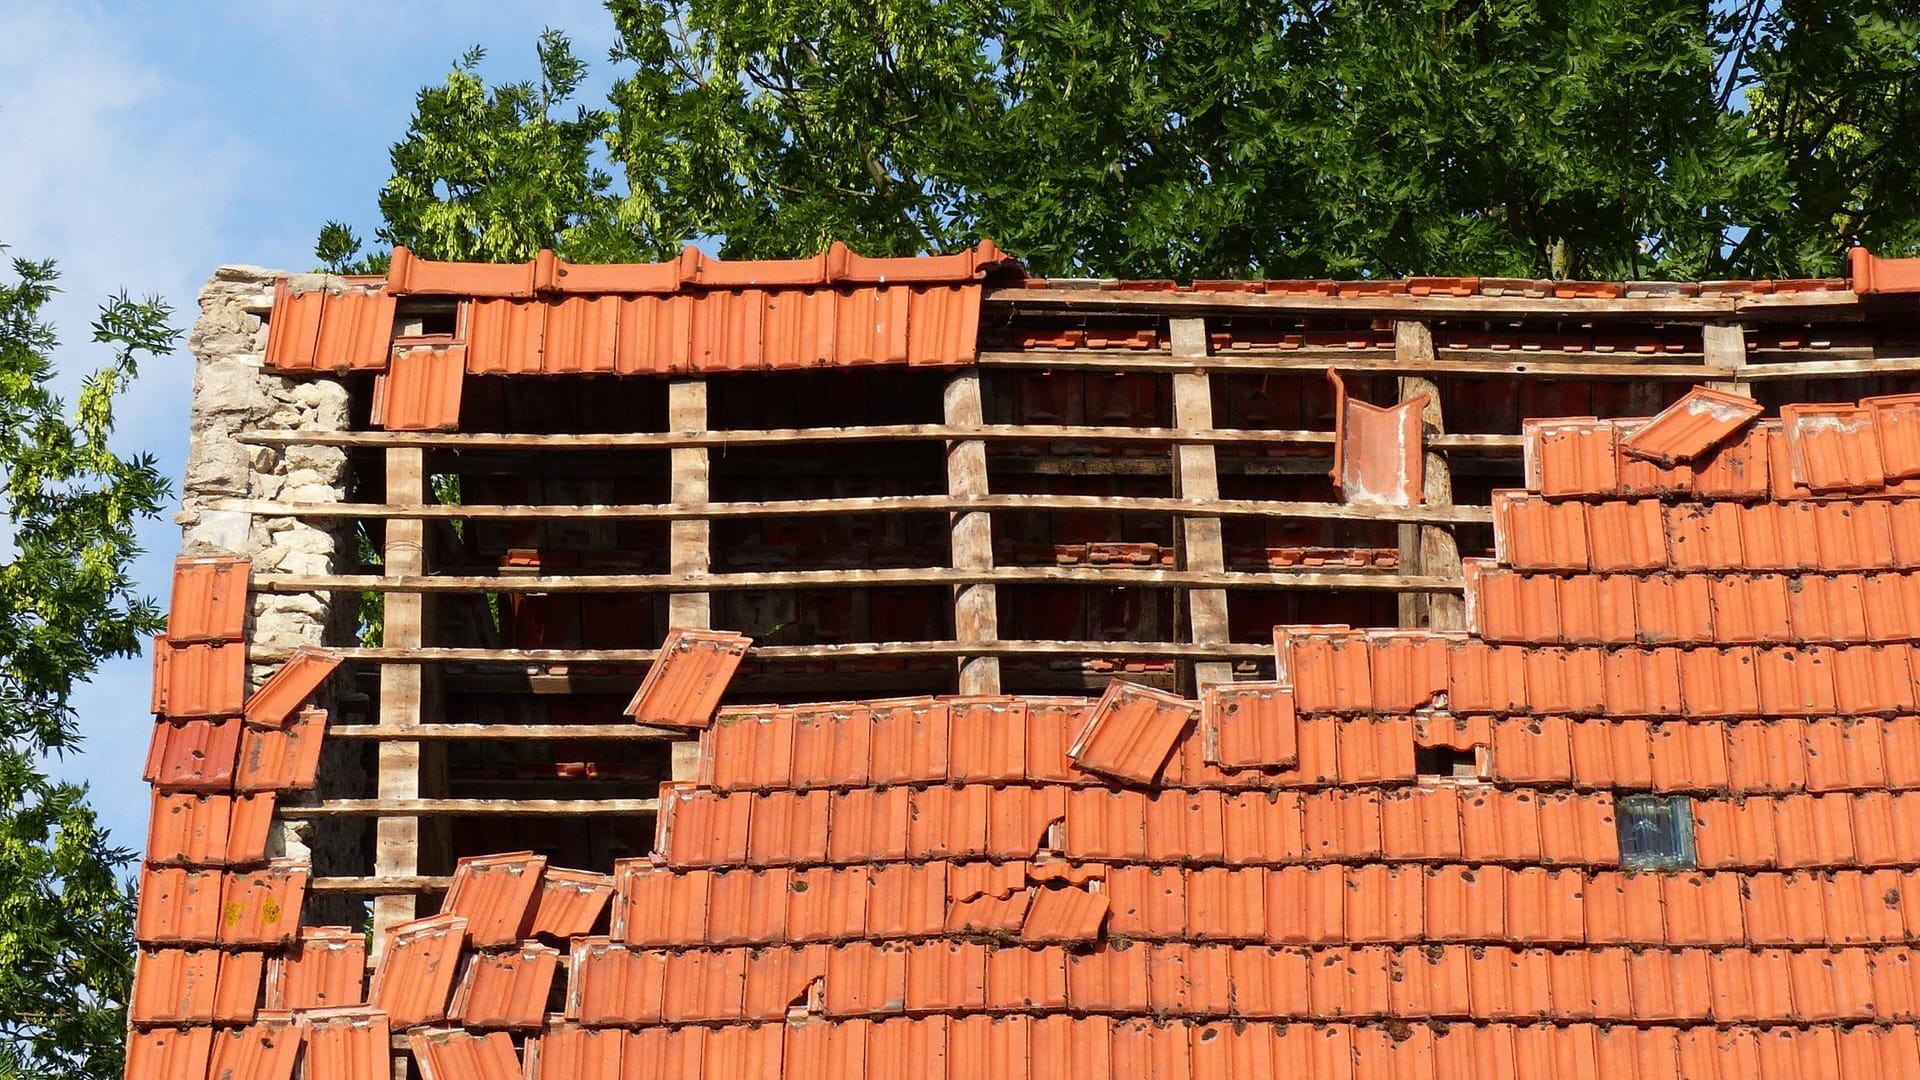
{"x": 169, "y": 1053}
{"x": 209, "y": 830}
{"x": 283, "y": 760}
{"x": 1570, "y": 458}
{"x": 1378, "y": 451}
{"x": 262, "y": 907}
{"x": 1896, "y": 427}
{"x": 1131, "y": 732}
{"x": 1691, "y": 426}
{"x": 209, "y": 600}
{"x": 414, "y": 978}
{"x": 1531, "y": 533}
{"x": 267, "y": 1049}
{"x": 199, "y": 680}
{"x": 347, "y": 1044}
{"x": 1627, "y": 536}
{"x": 1832, "y": 448}
{"x": 336, "y": 327}
{"x": 325, "y": 968}
{"x": 179, "y": 906}
{"x": 832, "y": 746}
{"x": 684, "y": 685}
{"x": 289, "y": 687}
{"x": 174, "y": 986}
{"x": 459, "y": 1055}
{"x": 1248, "y": 725}
{"x": 1736, "y": 470}
{"x": 986, "y": 740}
{"x": 570, "y": 902}
{"x": 495, "y": 894}
{"x": 421, "y": 389}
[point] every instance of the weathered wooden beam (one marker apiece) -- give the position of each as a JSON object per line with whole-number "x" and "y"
{"x": 975, "y": 603}
{"x": 667, "y": 440}
{"x": 869, "y": 505}
{"x": 412, "y": 885}
{"x": 1042, "y": 575}
{"x": 841, "y": 651}
{"x": 1677, "y": 308}
{"x": 1726, "y": 347}
{"x": 511, "y": 732}
{"x": 688, "y": 552}
{"x": 1428, "y": 549}
{"x": 1509, "y": 365}
{"x": 392, "y": 809}
{"x": 1196, "y": 477}
{"x": 397, "y": 839}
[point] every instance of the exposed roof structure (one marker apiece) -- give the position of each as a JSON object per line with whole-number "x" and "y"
{"x": 1645, "y": 802}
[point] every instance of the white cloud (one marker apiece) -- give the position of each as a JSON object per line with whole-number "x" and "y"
{"x": 110, "y": 172}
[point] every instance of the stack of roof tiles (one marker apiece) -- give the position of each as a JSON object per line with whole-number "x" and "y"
{"x": 1262, "y": 882}
{"x": 222, "y": 954}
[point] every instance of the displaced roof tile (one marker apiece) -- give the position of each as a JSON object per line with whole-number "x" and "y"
{"x": 1691, "y": 426}
{"x": 1379, "y": 454}
{"x": 421, "y": 389}
{"x": 1131, "y": 732}
{"x": 495, "y": 894}
{"x": 1832, "y": 447}
{"x": 683, "y": 687}
{"x": 414, "y": 978}
{"x": 284, "y": 760}
{"x": 290, "y": 686}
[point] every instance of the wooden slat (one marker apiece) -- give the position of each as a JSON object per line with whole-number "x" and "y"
{"x": 378, "y": 885}
{"x": 840, "y": 651}
{"x": 511, "y": 732}
{"x": 405, "y": 809}
{"x": 1517, "y": 364}
{"x": 668, "y": 440}
{"x": 873, "y": 505}
{"x": 1679, "y": 308}
{"x": 1886, "y": 365}
{"x": 1047, "y": 575}
{"x": 1726, "y": 347}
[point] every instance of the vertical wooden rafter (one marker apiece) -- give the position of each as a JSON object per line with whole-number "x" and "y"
{"x": 689, "y": 550}
{"x": 1196, "y": 475}
{"x": 687, "y": 542}
{"x": 976, "y": 615}
{"x": 1726, "y": 347}
{"x": 1428, "y": 549}
{"x": 397, "y": 840}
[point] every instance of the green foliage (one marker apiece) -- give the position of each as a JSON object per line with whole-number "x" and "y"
{"x": 71, "y": 505}
{"x": 1200, "y": 138}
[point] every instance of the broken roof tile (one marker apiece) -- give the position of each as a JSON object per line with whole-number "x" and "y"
{"x": 683, "y": 687}
{"x": 1131, "y": 732}
{"x": 1691, "y": 426}
{"x": 290, "y": 686}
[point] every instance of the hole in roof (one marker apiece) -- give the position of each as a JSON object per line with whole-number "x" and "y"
{"x": 1446, "y": 763}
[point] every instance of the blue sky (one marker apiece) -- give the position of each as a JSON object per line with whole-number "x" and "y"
{"x": 147, "y": 143}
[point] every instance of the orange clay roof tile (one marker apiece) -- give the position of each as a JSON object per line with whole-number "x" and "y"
{"x": 1131, "y": 732}
{"x": 421, "y": 390}
{"x": 1691, "y": 426}
{"x": 570, "y": 903}
{"x": 209, "y": 600}
{"x": 169, "y": 1053}
{"x": 414, "y": 979}
{"x": 347, "y": 1044}
{"x": 267, "y": 1049}
{"x": 335, "y": 327}
{"x": 325, "y": 968}
{"x": 495, "y": 894}
{"x": 506, "y": 989}
{"x": 443, "y": 1054}
{"x": 178, "y": 906}
{"x": 1378, "y": 451}
{"x": 199, "y": 680}
{"x": 290, "y": 686}
{"x": 262, "y": 907}
{"x": 1248, "y": 726}
{"x": 283, "y": 760}
{"x": 684, "y": 685}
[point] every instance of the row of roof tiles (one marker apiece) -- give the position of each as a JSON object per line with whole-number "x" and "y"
{"x": 1642, "y": 536}
{"x": 212, "y": 756}
{"x": 613, "y": 987}
{"x": 344, "y": 1044}
{"x": 1709, "y": 608}
{"x": 1708, "y": 447}
{"x": 750, "y": 752}
{"x": 782, "y": 829}
{"x": 1340, "y": 673}
{"x": 1296, "y": 905}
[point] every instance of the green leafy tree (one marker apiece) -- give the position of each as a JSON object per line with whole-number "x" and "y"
{"x": 67, "y": 602}
{"x": 1200, "y": 138}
